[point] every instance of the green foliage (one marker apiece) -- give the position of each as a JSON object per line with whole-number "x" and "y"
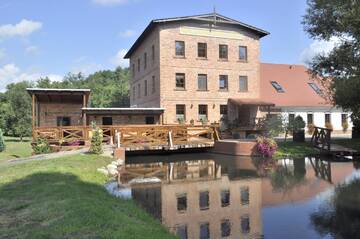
{"x": 329, "y": 126}
{"x": 2, "y": 142}
{"x": 273, "y": 125}
{"x": 345, "y": 126}
{"x": 297, "y": 124}
{"x": 204, "y": 120}
{"x": 339, "y": 70}
{"x": 41, "y": 146}
{"x": 96, "y": 140}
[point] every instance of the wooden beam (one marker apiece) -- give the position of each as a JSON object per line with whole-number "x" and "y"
{"x": 84, "y": 106}
{"x": 33, "y": 113}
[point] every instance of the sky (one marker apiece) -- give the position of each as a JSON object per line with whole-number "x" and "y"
{"x": 41, "y": 38}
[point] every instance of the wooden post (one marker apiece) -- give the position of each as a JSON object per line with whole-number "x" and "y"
{"x": 84, "y": 106}
{"x": 33, "y": 115}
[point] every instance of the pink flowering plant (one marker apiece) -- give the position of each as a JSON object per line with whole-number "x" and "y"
{"x": 266, "y": 146}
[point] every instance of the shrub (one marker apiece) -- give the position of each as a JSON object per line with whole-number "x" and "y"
{"x": 204, "y": 121}
{"x": 2, "y": 141}
{"x": 192, "y": 121}
{"x": 273, "y": 125}
{"x": 311, "y": 128}
{"x": 41, "y": 146}
{"x": 266, "y": 146}
{"x": 328, "y": 126}
{"x": 297, "y": 124}
{"x": 345, "y": 126}
{"x": 96, "y": 140}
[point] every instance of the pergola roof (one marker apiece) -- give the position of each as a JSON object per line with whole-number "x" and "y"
{"x": 255, "y": 102}
{"x": 125, "y": 111}
{"x": 59, "y": 95}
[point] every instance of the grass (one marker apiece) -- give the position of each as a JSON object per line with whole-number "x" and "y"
{"x": 65, "y": 198}
{"x": 294, "y": 150}
{"x": 349, "y": 143}
{"x": 16, "y": 149}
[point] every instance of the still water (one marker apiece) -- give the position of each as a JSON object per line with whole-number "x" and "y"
{"x": 217, "y": 196}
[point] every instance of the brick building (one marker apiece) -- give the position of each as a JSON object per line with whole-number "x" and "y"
{"x": 191, "y": 66}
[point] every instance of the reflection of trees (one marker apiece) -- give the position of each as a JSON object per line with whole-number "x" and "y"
{"x": 283, "y": 178}
{"x": 341, "y": 216}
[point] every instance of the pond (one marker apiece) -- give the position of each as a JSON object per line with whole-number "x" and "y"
{"x": 217, "y": 196}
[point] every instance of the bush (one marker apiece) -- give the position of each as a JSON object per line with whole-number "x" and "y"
{"x": 311, "y": 128}
{"x": 41, "y": 146}
{"x": 266, "y": 146}
{"x": 204, "y": 121}
{"x": 329, "y": 126}
{"x": 297, "y": 124}
{"x": 2, "y": 142}
{"x": 96, "y": 140}
{"x": 273, "y": 125}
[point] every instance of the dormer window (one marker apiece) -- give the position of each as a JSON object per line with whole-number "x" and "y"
{"x": 277, "y": 87}
{"x": 315, "y": 87}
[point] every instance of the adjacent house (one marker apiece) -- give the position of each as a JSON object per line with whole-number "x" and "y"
{"x": 294, "y": 92}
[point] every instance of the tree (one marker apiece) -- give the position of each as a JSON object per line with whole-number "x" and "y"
{"x": 19, "y": 115}
{"x": 2, "y": 141}
{"x": 338, "y": 71}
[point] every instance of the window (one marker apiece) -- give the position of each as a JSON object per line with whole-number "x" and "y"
{"x": 203, "y": 112}
{"x": 204, "y": 200}
{"x": 243, "y": 83}
{"x": 315, "y": 87}
{"x": 310, "y": 119}
{"x": 180, "y": 112}
{"x": 291, "y": 117}
{"x": 245, "y": 224}
{"x": 181, "y": 231}
{"x": 242, "y": 53}
{"x": 63, "y": 121}
{"x": 202, "y": 82}
{"x": 180, "y": 81}
{"x": 145, "y": 60}
{"x": 204, "y": 231}
{"x": 133, "y": 92}
{"x": 202, "y": 50}
{"x": 106, "y": 120}
{"x": 145, "y": 88}
{"x": 179, "y": 48}
{"x": 153, "y": 53}
{"x": 223, "y": 109}
{"x": 223, "y": 52}
{"x": 225, "y": 198}
{"x": 133, "y": 69}
{"x": 327, "y": 118}
{"x": 244, "y": 195}
{"x": 277, "y": 87}
{"x": 153, "y": 87}
{"x": 223, "y": 82}
{"x": 138, "y": 64}
{"x": 344, "y": 119}
{"x": 138, "y": 91}
{"x": 149, "y": 120}
{"x": 181, "y": 202}
{"x": 225, "y": 228}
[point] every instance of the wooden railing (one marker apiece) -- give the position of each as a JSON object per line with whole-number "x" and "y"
{"x": 321, "y": 138}
{"x": 132, "y": 135}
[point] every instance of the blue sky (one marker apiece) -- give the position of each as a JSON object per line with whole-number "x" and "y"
{"x": 49, "y": 37}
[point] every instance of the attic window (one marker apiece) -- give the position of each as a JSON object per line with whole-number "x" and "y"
{"x": 315, "y": 87}
{"x": 277, "y": 87}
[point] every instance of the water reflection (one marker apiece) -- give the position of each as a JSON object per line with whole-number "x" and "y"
{"x": 217, "y": 196}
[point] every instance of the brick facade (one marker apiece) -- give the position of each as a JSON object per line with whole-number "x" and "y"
{"x": 167, "y": 64}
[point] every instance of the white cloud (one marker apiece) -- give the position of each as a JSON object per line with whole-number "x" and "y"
{"x": 127, "y": 33}
{"x": 118, "y": 59}
{"x": 86, "y": 68}
{"x": 318, "y": 47}
{"x": 32, "y": 50}
{"x": 110, "y": 2}
{"x": 23, "y": 28}
{"x": 10, "y": 73}
{"x": 2, "y": 53}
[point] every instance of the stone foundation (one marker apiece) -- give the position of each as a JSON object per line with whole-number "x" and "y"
{"x": 236, "y": 147}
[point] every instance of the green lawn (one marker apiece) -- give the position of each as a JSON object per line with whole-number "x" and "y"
{"x": 349, "y": 143}
{"x": 294, "y": 150}
{"x": 65, "y": 198}
{"x": 16, "y": 149}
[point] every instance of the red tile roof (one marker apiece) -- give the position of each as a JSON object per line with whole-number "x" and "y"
{"x": 294, "y": 79}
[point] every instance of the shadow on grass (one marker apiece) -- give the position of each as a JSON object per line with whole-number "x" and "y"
{"x": 17, "y": 140}
{"x": 57, "y": 205}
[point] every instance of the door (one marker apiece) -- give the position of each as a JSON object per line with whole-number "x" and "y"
{"x": 244, "y": 115}
{"x": 107, "y": 121}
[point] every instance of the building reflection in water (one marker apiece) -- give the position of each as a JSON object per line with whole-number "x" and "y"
{"x": 206, "y": 198}
{"x": 219, "y": 196}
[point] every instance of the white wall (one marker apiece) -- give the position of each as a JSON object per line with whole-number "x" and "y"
{"x": 319, "y": 116}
